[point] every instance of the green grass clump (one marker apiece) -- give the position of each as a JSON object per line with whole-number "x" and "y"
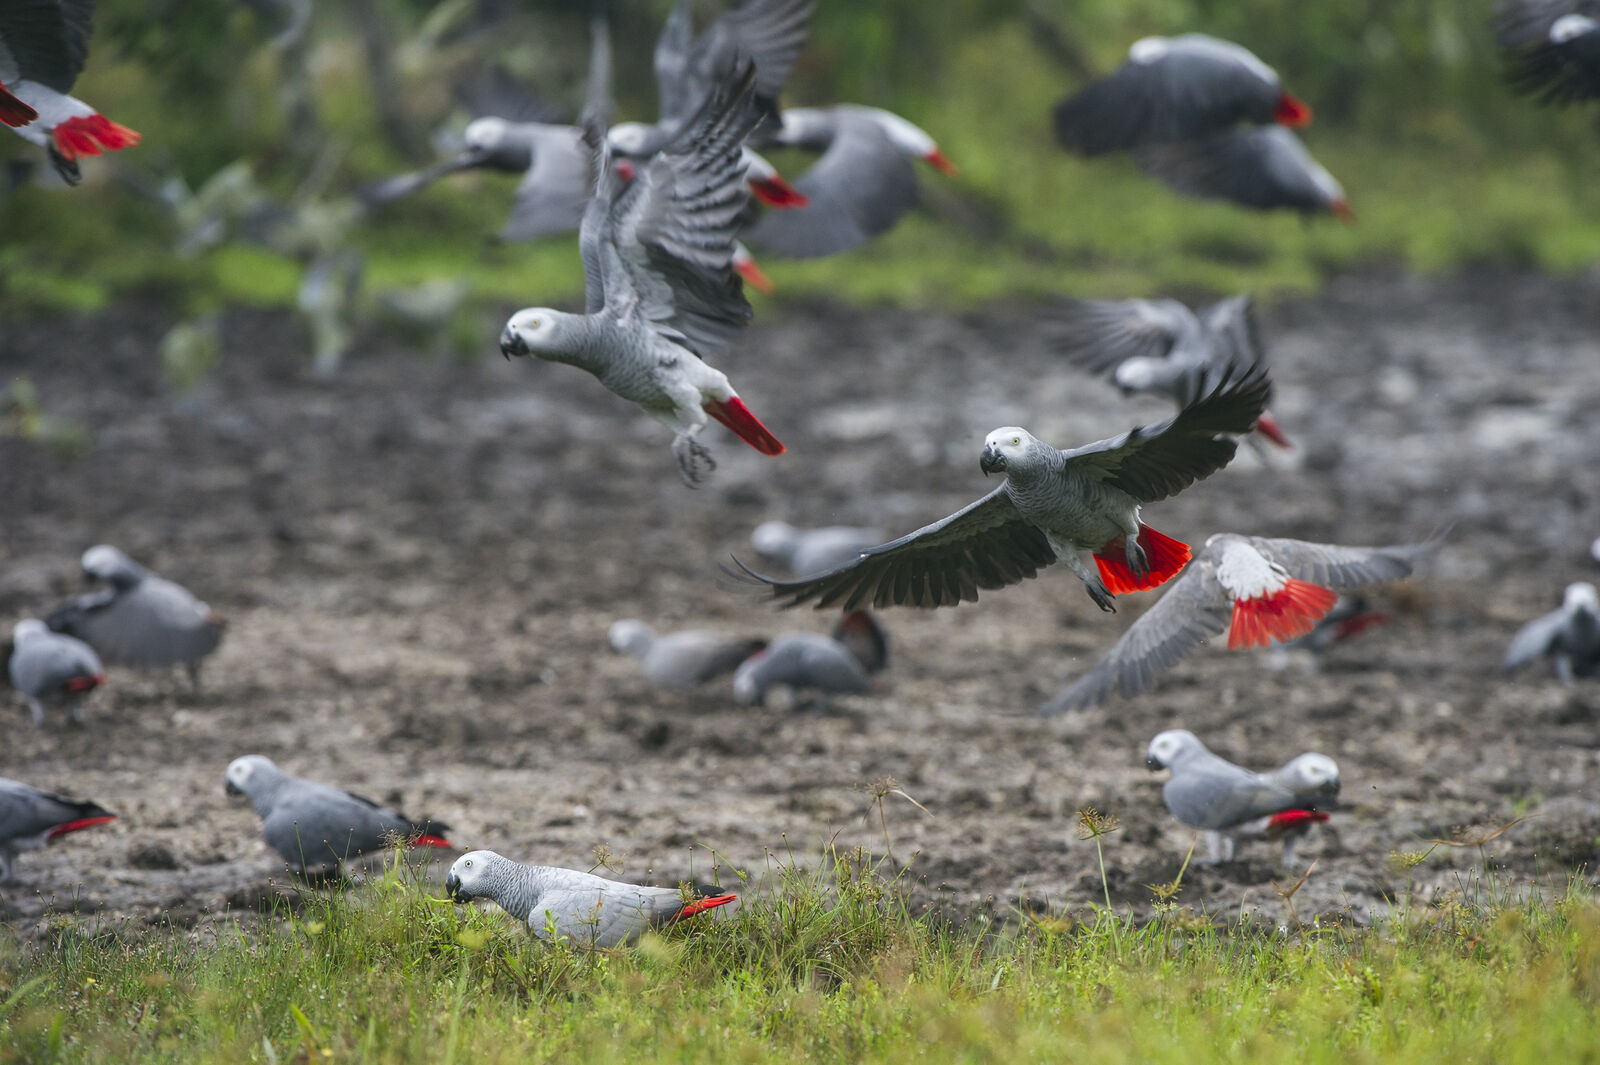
{"x": 820, "y": 966}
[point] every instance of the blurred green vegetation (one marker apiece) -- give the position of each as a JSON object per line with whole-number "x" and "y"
{"x": 1444, "y": 167}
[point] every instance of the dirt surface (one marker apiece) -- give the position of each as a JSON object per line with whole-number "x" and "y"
{"x": 420, "y": 559}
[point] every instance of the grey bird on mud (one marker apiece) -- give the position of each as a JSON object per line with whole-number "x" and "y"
{"x": 1551, "y": 48}
{"x": 1052, "y": 505}
{"x": 1229, "y": 802}
{"x": 47, "y": 667}
{"x": 1260, "y": 167}
{"x": 138, "y": 619}
{"x": 1163, "y": 347}
{"x": 805, "y": 551}
{"x": 841, "y": 663}
{"x": 43, "y": 47}
{"x": 317, "y": 829}
{"x": 1569, "y": 637}
{"x": 30, "y": 818}
{"x": 565, "y": 904}
{"x": 1175, "y": 89}
{"x": 862, "y": 184}
{"x": 1257, "y": 589}
{"x": 661, "y": 291}
{"x": 681, "y": 659}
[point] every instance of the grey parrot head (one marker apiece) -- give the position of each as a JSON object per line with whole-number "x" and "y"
{"x": 474, "y": 875}
{"x": 1139, "y": 374}
{"x": 105, "y": 563}
{"x": 247, "y": 774}
{"x": 1581, "y": 595}
{"x": 1010, "y": 449}
{"x": 1312, "y": 774}
{"x": 636, "y": 140}
{"x": 773, "y": 537}
{"x": 536, "y": 331}
{"x": 1170, "y": 746}
{"x": 630, "y": 636}
{"x": 27, "y": 629}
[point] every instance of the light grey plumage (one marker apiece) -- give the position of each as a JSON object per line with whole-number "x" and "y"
{"x": 861, "y": 186}
{"x": 660, "y": 287}
{"x": 681, "y": 659}
{"x": 139, "y": 619}
{"x": 1226, "y": 801}
{"x": 1053, "y": 504}
{"x": 30, "y": 818}
{"x": 1259, "y": 589}
{"x": 806, "y": 551}
{"x": 1262, "y": 167}
{"x": 317, "y": 828}
{"x": 1174, "y": 89}
{"x": 1569, "y": 637}
{"x": 688, "y": 69}
{"x": 805, "y": 661}
{"x": 581, "y": 908}
{"x": 48, "y": 667}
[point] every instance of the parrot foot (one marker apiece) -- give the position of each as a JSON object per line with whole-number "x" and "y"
{"x": 1138, "y": 562}
{"x": 693, "y": 458}
{"x": 1101, "y": 599}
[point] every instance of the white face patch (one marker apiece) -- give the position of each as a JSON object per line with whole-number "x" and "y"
{"x": 1166, "y": 746}
{"x": 1245, "y": 573}
{"x": 1567, "y": 27}
{"x": 1315, "y": 769}
{"x": 1581, "y": 594}
{"x": 1011, "y": 441}
{"x": 628, "y": 137}
{"x": 101, "y": 560}
{"x": 484, "y": 134}
{"x": 1149, "y": 49}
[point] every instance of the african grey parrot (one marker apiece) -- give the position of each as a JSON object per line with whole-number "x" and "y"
{"x": 43, "y": 46}
{"x": 808, "y": 661}
{"x": 660, "y": 288}
{"x": 46, "y": 666}
{"x": 1569, "y": 636}
{"x": 1230, "y": 802}
{"x": 1175, "y": 89}
{"x": 806, "y": 551}
{"x": 1551, "y": 48}
{"x": 860, "y": 187}
{"x": 584, "y": 909}
{"x": 30, "y": 818}
{"x": 681, "y": 659}
{"x": 317, "y": 828}
{"x": 140, "y": 619}
{"x": 1161, "y": 346}
{"x": 1052, "y": 505}
{"x": 1262, "y": 167}
{"x": 1257, "y": 588}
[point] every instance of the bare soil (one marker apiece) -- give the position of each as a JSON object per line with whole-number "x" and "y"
{"x": 420, "y": 558}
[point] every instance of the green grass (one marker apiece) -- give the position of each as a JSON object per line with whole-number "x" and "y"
{"x": 827, "y": 966}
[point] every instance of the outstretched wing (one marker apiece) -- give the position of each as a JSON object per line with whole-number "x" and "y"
{"x": 554, "y": 191}
{"x": 860, "y": 187}
{"x": 1334, "y": 566}
{"x": 1262, "y": 167}
{"x": 1194, "y": 608}
{"x": 1551, "y": 48}
{"x": 1153, "y": 462}
{"x": 47, "y": 39}
{"x": 771, "y": 32}
{"x": 987, "y": 544}
{"x": 674, "y": 93}
{"x": 1100, "y": 335}
{"x": 661, "y": 245}
{"x": 1533, "y": 640}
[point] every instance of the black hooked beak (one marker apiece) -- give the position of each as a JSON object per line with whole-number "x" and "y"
{"x": 452, "y": 887}
{"x": 1152, "y": 763}
{"x": 229, "y": 790}
{"x": 992, "y": 461}
{"x": 511, "y": 343}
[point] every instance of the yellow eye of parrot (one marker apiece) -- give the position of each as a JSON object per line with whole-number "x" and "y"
{"x": 1016, "y": 441}
{"x": 469, "y": 863}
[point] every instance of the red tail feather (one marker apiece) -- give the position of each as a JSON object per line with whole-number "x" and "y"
{"x": 1267, "y": 426}
{"x": 1282, "y": 822}
{"x": 701, "y": 905}
{"x": 776, "y": 192}
{"x": 1291, "y": 112}
{"x": 83, "y": 684}
{"x": 753, "y": 275}
{"x": 89, "y": 134}
{"x": 1290, "y": 612}
{"x": 1165, "y": 555}
{"x": 1355, "y": 626}
{"x": 82, "y": 822}
{"x": 737, "y": 417}
{"x": 13, "y": 112}
{"x": 937, "y": 160}
{"x": 433, "y": 841}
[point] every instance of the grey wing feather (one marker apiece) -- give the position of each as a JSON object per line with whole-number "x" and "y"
{"x": 1153, "y": 462}
{"x": 1194, "y": 609}
{"x": 27, "y": 811}
{"x": 1534, "y": 639}
{"x": 1100, "y": 335}
{"x": 1218, "y": 794}
{"x": 860, "y": 187}
{"x": 156, "y": 623}
{"x": 673, "y": 92}
{"x": 770, "y": 32}
{"x": 1334, "y": 566}
{"x": 44, "y": 665}
{"x": 314, "y": 826}
{"x": 987, "y": 544}
{"x": 554, "y": 192}
{"x": 665, "y": 241}
{"x": 1263, "y": 167}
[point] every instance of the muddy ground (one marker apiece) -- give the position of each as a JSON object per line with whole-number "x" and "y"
{"x": 420, "y": 559}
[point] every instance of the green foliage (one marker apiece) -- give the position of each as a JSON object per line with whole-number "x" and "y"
{"x": 823, "y": 966}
